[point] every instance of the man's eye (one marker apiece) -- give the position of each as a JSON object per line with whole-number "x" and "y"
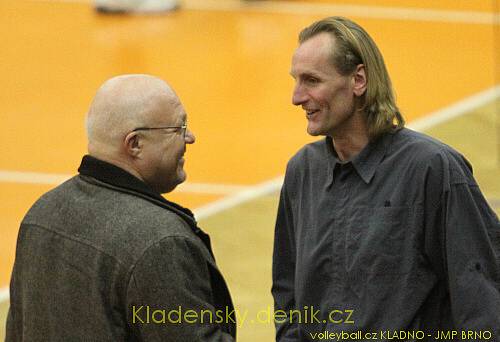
{"x": 312, "y": 80}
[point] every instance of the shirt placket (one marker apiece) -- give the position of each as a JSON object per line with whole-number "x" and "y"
{"x": 339, "y": 197}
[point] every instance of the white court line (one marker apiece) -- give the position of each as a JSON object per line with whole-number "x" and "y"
{"x": 32, "y": 177}
{"x": 249, "y": 194}
{"x": 56, "y": 179}
{"x": 209, "y": 188}
{"x": 459, "y": 108}
{"x": 362, "y": 11}
{"x": 4, "y": 294}
{"x": 365, "y": 11}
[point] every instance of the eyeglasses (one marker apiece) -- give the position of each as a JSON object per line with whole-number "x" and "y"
{"x": 182, "y": 128}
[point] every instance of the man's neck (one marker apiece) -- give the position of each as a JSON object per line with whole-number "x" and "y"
{"x": 350, "y": 137}
{"x": 349, "y": 145}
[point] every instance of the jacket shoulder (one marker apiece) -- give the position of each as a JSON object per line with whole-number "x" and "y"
{"x": 119, "y": 224}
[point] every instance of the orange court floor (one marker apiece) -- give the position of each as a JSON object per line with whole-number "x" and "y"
{"x": 229, "y": 62}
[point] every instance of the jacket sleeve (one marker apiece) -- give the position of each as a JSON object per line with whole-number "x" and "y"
{"x": 169, "y": 295}
{"x": 283, "y": 288}
{"x": 468, "y": 234}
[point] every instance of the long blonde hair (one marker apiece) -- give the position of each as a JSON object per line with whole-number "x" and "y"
{"x": 353, "y": 46}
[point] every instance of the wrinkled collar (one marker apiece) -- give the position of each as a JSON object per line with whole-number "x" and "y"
{"x": 116, "y": 176}
{"x": 367, "y": 161}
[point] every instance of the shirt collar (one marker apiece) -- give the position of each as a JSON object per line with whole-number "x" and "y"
{"x": 116, "y": 176}
{"x": 367, "y": 161}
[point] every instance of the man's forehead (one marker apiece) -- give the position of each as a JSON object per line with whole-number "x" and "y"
{"x": 165, "y": 109}
{"x": 313, "y": 54}
{"x": 183, "y": 116}
{"x": 178, "y": 113}
{"x": 320, "y": 43}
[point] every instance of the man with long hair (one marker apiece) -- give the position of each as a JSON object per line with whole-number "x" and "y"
{"x": 380, "y": 229}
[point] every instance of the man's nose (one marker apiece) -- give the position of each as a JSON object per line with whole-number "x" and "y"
{"x": 189, "y": 138}
{"x": 299, "y": 95}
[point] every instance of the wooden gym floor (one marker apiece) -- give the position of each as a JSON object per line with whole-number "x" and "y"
{"x": 229, "y": 61}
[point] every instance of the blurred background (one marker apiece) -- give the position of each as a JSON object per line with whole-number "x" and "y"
{"x": 229, "y": 62}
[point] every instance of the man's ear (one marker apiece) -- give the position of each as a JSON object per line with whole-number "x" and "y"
{"x": 359, "y": 77}
{"x": 133, "y": 144}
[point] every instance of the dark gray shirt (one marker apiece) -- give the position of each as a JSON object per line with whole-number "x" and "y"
{"x": 399, "y": 238}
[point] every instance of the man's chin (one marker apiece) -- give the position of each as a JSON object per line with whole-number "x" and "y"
{"x": 170, "y": 187}
{"x": 182, "y": 176}
{"x": 314, "y": 131}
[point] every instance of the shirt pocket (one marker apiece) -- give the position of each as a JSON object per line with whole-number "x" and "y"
{"x": 376, "y": 240}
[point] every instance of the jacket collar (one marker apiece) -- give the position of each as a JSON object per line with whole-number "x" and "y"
{"x": 117, "y": 177}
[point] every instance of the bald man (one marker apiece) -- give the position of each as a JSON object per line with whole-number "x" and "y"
{"x": 104, "y": 257}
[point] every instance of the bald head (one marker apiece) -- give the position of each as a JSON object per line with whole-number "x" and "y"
{"x": 155, "y": 152}
{"x": 121, "y": 104}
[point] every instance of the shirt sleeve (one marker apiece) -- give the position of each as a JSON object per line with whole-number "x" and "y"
{"x": 169, "y": 295}
{"x": 472, "y": 260}
{"x": 283, "y": 289}
{"x": 469, "y": 251}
